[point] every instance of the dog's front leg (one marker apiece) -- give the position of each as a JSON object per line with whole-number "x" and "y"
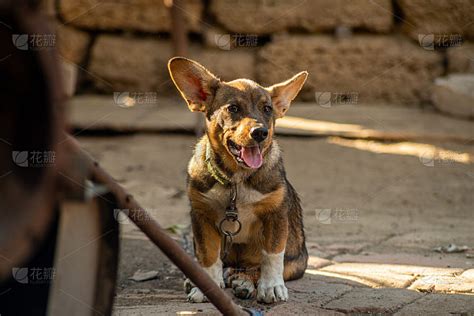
{"x": 207, "y": 246}
{"x": 271, "y": 286}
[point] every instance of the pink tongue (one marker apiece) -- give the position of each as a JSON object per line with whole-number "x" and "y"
{"x": 252, "y": 156}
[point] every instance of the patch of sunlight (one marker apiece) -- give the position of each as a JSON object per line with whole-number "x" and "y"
{"x": 378, "y": 275}
{"x": 425, "y": 152}
{"x": 317, "y": 126}
{"x": 342, "y": 276}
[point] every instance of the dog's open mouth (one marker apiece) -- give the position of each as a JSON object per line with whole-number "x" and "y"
{"x": 250, "y": 156}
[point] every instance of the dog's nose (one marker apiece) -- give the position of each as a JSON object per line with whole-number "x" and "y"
{"x": 259, "y": 134}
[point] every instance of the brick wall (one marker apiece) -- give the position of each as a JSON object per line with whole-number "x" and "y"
{"x": 384, "y": 51}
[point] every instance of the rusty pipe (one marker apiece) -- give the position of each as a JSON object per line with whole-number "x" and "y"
{"x": 158, "y": 235}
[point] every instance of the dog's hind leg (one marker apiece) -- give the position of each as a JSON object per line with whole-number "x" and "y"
{"x": 296, "y": 254}
{"x": 295, "y": 266}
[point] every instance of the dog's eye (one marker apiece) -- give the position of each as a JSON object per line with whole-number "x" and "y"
{"x": 233, "y": 108}
{"x": 267, "y": 109}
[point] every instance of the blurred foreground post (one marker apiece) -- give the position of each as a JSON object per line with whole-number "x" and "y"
{"x": 179, "y": 31}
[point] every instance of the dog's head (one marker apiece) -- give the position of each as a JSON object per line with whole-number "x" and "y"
{"x": 240, "y": 114}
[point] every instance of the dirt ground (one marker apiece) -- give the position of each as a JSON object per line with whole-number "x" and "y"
{"x": 373, "y": 214}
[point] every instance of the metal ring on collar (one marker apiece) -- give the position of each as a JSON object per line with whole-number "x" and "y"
{"x": 229, "y": 233}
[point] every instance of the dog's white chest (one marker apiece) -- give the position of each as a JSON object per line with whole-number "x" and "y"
{"x": 219, "y": 199}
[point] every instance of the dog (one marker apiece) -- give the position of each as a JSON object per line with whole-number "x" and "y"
{"x": 237, "y": 162}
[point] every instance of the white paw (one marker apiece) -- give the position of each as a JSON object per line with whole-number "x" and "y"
{"x": 222, "y": 284}
{"x": 215, "y": 272}
{"x": 271, "y": 287}
{"x": 271, "y": 291}
{"x": 196, "y": 296}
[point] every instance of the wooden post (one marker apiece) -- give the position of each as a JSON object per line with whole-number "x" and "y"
{"x": 179, "y": 31}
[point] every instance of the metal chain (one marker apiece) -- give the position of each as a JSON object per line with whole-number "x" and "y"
{"x": 231, "y": 216}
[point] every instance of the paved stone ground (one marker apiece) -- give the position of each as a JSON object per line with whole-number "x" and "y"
{"x": 373, "y": 211}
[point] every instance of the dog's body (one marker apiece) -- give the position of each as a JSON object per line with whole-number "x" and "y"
{"x": 238, "y": 154}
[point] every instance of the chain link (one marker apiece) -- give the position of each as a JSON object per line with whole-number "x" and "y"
{"x": 231, "y": 216}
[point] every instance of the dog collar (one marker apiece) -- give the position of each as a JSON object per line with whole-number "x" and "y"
{"x": 214, "y": 170}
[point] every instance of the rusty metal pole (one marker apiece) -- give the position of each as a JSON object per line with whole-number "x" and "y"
{"x": 179, "y": 31}
{"x": 158, "y": 235}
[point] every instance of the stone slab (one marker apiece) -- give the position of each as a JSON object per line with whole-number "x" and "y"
{"x": 144, "y": 67}
{"x": 101, "y": 112}
{"x": 439, "y": 18}
{"x": 130, "y": 15}
{"x": 373, "y": 300}
{"x": 266, "y": 17}
{"x": 311, "y": 290}
{"x": 380, "y": 120}
{"x": 440, "y": 304}
{"x": 394, "y": 255}
{"x": 376, "y": 275}
{"x": 430, "y": 238}
{"x": 357, "y": 69}
{"x": 444, "y": 283}
{"x": 72, "y": 43}
{"x": 461, "y": 59}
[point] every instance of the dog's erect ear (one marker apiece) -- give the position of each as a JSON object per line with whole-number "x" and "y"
{"x": 283, "y": 93}
{"x": 196, "y": 84}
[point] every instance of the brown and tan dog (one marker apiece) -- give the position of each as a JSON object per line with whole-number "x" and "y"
{"x": 238, "y": 155}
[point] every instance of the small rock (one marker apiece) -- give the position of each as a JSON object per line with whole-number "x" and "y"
{"x": 451, "y": 248}
{"x": 455, "y": 95}
{"x": 140, "y": 275}
{"x": 143, "y": 291}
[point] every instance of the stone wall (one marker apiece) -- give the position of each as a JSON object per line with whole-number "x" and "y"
{"x": 381, "y": 50}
